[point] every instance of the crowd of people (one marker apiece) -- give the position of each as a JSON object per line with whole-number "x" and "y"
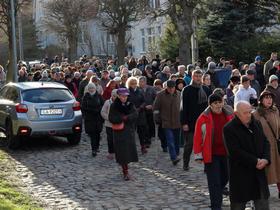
{"x": 230, "y": 123}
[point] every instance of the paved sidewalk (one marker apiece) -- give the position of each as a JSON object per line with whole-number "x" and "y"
{"x": 65, "y": 177}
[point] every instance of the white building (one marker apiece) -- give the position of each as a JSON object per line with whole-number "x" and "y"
{"x": 144, "y": 34}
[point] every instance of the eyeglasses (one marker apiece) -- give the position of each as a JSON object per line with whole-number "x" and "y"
{"x": 268, "y": 96}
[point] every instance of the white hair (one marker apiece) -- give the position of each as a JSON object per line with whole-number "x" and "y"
{"x": 239, "y": 104}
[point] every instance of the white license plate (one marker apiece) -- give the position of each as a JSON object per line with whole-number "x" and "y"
{"x": 51, "y": 111}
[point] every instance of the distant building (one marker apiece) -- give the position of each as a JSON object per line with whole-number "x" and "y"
{"x": 94, "y": 40}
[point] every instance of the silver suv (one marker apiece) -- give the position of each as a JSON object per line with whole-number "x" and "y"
{"x": 39, "y": 109}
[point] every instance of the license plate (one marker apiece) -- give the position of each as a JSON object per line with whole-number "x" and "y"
{"x": 51, "y": 111}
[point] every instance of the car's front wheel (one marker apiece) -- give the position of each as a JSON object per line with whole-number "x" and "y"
{"x": 74, "y": 138}
{"x": 13, "y": 142}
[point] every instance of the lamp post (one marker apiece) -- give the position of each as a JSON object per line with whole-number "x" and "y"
{"x": 14, "y": 48}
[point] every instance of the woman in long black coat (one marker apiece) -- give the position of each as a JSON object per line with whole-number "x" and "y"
{"x": 92, "y": 103}
{"x": 124, "y": 140}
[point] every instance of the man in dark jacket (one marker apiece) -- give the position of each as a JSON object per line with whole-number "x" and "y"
{"x": 83, "y": 84}
{"x": 193, "y": 103}
{"x": 249, "y": 154}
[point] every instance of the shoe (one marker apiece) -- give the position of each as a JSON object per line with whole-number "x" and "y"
{"x": 110, "y": 156}
{"x": 94, "y": 153}
{"x": 176, "y": 161}
{"x": 225, "y": 191}
{"x": 279, "y": 195}
{"x": 143, "y": 150}
{"x": 148, "y": 145}
{"x": 186, "y": 168}
{"x": 126, "y": 177}
{"x": 164, "y": 149}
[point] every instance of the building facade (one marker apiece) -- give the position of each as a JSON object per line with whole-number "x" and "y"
{"x": 93, "y": 40}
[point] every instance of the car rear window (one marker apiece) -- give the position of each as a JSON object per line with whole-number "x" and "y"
{"x": 46, "y": 95}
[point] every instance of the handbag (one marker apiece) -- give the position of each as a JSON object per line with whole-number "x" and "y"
{"x": 118, "y": 127}
{"x": 277, "y": 139}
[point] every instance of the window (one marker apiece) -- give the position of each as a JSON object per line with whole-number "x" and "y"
{"x": 149, "y": 31}
{"x": 159, "y": 30}
{"x": 143, "y": 45}
{"x": 157, "y": 3}
{"x": 46, "y": 95}
{"x": 143, "y": 32}
{"x": 152, "y": 3}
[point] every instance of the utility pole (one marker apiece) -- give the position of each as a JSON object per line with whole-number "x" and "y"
{"x": 14, "y": 48}
{"x": 20, "y": 36}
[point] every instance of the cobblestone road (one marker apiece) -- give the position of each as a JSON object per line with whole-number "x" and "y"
{"x": 64, "y": 177}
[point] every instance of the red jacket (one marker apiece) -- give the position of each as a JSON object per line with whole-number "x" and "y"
{"x": 203, "y": 134}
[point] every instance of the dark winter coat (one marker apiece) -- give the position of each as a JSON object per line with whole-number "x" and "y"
{"x": 137, "y": 98}
{"x": 124, "y": 140}
{"x": 91, "y": 108}
{"x": 190, "y": 109}
{"x": 167, "y": 109}
{"x": 82, "y": 86}
{"x": 245, "y": 146}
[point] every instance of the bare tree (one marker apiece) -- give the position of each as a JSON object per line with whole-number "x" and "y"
{"x": 64, "y": 18}
{"x": 6, "y": 25}
{"x": 181, "y": 13}
{"x": 116, "y": 17}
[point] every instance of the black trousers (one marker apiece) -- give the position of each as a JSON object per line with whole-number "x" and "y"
{"x": 110, "y": 141}
{"x": 217, "y": 178}
{"x": 94, "y": 140}
{"x": 188, "y": 147}
{"x": 151, "y": 126}
{"x": 142, "y": 134}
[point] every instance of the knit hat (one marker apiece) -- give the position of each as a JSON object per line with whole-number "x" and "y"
{"x": 91, "y": 85}
{"x": 258, "y": 58}
{"x": 171, "y": 83}
{"x": 123, "y": 91}
{"x": 45, "y": 74}
{"x": 214, "y": 97}
{"x": 272, "y": 78}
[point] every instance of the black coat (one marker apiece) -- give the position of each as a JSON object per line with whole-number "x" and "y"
{"x": 137, "y": 98}
{"x": 124, "y": 140}
{"x": 245, "y": 146}
{"x": 91, "y": 108}
{"x": 190, "y": 109}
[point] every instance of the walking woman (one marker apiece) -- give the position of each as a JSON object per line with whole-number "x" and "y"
{"x": 123, "y": 114}
{"x": 92, "y": 103}
{"x": 268, "y": 115}
{"x": 109, "y": 131}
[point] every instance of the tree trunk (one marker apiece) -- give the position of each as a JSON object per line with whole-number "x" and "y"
{"x": 185, "y": 48}
{"x": 121, "y": 46}
{"x": 72, "y": 47}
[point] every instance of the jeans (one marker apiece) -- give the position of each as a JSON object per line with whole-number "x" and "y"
{"x": 188, "y": 148}
{"x": 217, "y": 178}
{"x": 173, "y": 138}
{"x": 109, "y": 132}
{"x": 261, "y": 204}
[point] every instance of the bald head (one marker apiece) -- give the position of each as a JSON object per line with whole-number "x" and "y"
{"x": 243, "y": 110}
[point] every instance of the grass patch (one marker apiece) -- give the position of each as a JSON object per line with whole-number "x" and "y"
{"x": 10, "y": 197}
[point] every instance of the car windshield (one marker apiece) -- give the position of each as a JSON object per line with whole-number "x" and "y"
{"x": 46, "y": 95}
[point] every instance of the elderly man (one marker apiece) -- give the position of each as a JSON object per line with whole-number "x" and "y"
{"x": 167, "y": 112}
{"x": 181, "y": 71}
{"x": 249, "y": 154}
{"x": 273, "y": 87}
{"x": 269, "y": 65}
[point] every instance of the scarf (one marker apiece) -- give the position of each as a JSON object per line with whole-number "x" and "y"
{"x": 202, "y": 97}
